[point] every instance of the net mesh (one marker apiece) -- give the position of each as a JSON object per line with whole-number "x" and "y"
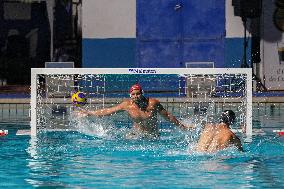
{"x": 187, "y": 96}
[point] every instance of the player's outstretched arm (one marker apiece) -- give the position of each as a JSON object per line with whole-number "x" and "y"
{"x": 104, "y": 111}
{"x": 168, "y": 116}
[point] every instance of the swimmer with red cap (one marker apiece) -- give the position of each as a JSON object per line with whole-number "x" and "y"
{"x": 135, "y": 87}
{"x": 143, "y": 112}
{"x": 136, "y": 95}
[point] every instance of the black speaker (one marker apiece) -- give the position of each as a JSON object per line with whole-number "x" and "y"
{"x": 237, "y": 7}
{"x": 279, "y": 3}
{"x": 247, "y": 8}
{"x": 255, "y": 50}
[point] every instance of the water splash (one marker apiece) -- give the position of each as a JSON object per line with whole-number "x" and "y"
{"x": 98, "y": 127}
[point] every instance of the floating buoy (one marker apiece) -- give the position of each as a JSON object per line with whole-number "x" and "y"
{"x": 279, "y": 132}
{"x": 3, "y": 132}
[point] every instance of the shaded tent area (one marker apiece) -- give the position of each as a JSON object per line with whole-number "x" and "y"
{"x": 34, "y": 32}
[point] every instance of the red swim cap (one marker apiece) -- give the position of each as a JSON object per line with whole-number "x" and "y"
{"x": 135, "y": 87}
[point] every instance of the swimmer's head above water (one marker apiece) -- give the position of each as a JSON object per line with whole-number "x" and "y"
{"x": 227, "y": 117}
{"x": 136, "y": 91}
{"x": 136, "y": 87}
{"x": 136, "y": 94}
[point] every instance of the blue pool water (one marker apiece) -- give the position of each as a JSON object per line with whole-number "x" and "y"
{"x": 104, "y": 159}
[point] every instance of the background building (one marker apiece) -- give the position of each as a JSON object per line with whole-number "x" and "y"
{"x": 139, "y": 33}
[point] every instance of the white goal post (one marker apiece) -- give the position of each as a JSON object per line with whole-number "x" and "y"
{"x": 190, "y": 92}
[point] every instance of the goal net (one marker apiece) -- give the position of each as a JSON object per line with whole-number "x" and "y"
{"x": 187, "y": 93}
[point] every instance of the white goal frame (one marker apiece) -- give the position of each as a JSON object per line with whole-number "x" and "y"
{"x": 201, "y": 71}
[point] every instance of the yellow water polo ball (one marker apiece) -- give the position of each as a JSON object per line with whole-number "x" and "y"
{"x": 79, "y": 99}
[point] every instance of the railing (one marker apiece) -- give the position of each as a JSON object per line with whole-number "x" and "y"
{"x": 13, "y": 113}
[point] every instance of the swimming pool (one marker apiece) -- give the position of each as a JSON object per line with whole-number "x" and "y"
{"x": 102, "y": 158}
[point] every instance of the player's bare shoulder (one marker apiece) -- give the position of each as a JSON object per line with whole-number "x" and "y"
{"x": 125, "y": 104}
{"x": 153, "y": 101}
{"x": 155, "y": 104}
{"x": 226, "y": 135}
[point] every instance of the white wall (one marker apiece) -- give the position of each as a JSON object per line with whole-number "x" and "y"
{"x": 109, "y": 18}
{"x": 117, "y": 19}
{"x": 272, "y": 40}
{"x": 234, "y": 24}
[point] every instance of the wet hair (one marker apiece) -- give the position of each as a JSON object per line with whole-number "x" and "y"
{"x": 227, "y": 117}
